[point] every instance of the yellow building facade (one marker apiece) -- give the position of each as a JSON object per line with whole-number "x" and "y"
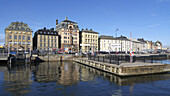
{"x": 18, "y": 36}
{"x": 89, "y": 41}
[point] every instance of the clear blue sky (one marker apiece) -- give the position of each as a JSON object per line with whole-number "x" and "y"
{"x": 148, "y": 19}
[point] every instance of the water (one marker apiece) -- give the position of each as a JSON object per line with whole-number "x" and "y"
{"x": 73, "y": 79}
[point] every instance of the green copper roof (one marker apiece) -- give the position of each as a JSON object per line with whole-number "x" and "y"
{"x": 18, "y": 26}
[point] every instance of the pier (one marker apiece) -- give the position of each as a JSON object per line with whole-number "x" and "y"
{"x": 126, "y": 69}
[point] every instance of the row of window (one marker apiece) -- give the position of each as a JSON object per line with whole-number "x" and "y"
{"x": 48, "y": 40}
{"x": 19, "y": 37}
{"x": 20, "y": 43}
{"x": 68, "y": 41}
{"x": 91, "y": 36}
{"x": 89, "y": 40}
{"x": 48, "y": 32}
{"x": 48, "y": 45}
{"x": 65, "y": 33}
{"x": 48, "y": 37}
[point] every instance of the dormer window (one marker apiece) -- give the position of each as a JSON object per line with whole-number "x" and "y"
{"x": 70, "y": 27}
{"x": 10, "y": 27}
{"x": 22, "y": 28}
{"x": 28, "y": 29}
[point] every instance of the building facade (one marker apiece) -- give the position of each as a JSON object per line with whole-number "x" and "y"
{"x": 18, "y": 36}
{"x": 46, "y": 39}
{"x": 116, "y": 44}
{"x": 69, "y": 32}
{"x": 88, "y": 40}
{"x": 121, "y": 44}
{"x": 158, "y": 45}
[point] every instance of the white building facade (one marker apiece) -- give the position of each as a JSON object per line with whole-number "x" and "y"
{"x": 120, "y": 44}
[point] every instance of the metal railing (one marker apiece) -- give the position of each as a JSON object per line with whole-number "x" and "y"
{"x": 118, "y": 59}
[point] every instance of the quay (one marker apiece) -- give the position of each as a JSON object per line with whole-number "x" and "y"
{"x": 126, "y": 69}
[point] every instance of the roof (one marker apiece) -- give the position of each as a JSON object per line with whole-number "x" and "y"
{"x": 157, "y": 42}
{"x": 19, "y": 26}
{"x": 89, "y": 31}
{"x": 69, "y": 21}
{"x": 106, "y": 37}
{"x": 46, "y": 31}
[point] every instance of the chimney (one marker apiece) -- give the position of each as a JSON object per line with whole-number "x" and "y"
{"x": 44, "y": 28}
{"x": 90, "y": 29}
{"x": 56, "y": 21}
{"x": 86, "y": 29}
{"x": 52, "y": 29}
{"x": 66, "y": 18}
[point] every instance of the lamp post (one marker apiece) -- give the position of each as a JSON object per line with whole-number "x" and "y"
{"x": 116, "y": 36}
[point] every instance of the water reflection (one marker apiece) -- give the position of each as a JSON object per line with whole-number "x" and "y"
{"x": 59, "y": 77}
{"x": 64, "y": 73}
{"x": 18, "y": 80}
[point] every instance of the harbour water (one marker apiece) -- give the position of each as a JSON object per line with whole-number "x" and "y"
{"x": 73, "y": 79}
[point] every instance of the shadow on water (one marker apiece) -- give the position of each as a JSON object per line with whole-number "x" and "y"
{"x": 23, "y": 79}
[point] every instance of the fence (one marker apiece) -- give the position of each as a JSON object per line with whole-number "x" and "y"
{"x": 118, "y": 59}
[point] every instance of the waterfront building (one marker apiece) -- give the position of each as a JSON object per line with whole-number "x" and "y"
{"x": 117, "y": 44}
{"x": 143, "y": 44}
{"x": 69, "y": 32}
{"x": 157, "y": 45}
{"x": 149, "y": 44}
{"x": 88, "y": 40}
{"x": 46, "y": 39}
{"x": 18, "y": 36}
{"x": 121, "y": 44}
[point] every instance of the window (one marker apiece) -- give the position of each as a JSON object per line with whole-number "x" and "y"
{"x": 40, "y": 40}
{"x": 23, "y": 43}
{"x": 19, "y": 37}
{"x": 65, "y": 41}
{"x": 44, "y": 45}
{"x": 15, "y": 37}
{"x": 44, "y": 40}
{"x": 68, "y": 37}
{"x": 28, "y": 29}
{"x": 51, "y": 45}
{"x": 40, "y": 45}
{"x": 51, "y": 40}
{"x": 28, "y": 37}
{"x": 19, "y": 43}
{"x": 23, "y": 37}
{"x": 65, "y": 37}
{"x": 48, "y": 45}
{"x": 55, "y": 41}
{"x": 9, "y": 36}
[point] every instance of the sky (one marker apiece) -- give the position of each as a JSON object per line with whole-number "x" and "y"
{"x": 148, "y": 19}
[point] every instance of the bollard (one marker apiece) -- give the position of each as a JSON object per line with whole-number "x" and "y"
{"x": 110, "y": 58}
{"x": 152, "y": 60}
{"x": 118, "y": 60}
{"x": 103, "y": 58}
